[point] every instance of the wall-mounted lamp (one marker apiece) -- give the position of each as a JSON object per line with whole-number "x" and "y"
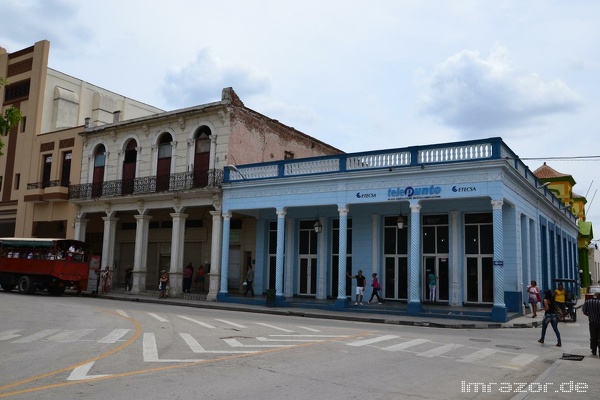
{"x": 543, "y": 185}
{"x": 400, "y": 222}
{"x": 318, "y": 227}
{"x": 235, "y": 169}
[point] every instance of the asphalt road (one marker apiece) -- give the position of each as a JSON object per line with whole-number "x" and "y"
{"x": 93, "y": 348}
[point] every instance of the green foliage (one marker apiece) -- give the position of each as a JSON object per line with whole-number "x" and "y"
{"x": 9, "y": 119}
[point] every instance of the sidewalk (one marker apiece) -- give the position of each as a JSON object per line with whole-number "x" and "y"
{"x": 565, "y": 378}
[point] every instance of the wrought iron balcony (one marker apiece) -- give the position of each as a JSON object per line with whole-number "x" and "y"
{"x": 147, "y": 185}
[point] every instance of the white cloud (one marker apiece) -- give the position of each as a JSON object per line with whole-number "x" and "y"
{"x": 200, "y": 80}
{"x": 478, "y": 95}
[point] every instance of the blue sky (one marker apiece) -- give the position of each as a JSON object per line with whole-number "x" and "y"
{"x": 358, "y": 75}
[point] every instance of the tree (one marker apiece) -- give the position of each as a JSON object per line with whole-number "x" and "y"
{"x": 11, "y": 118}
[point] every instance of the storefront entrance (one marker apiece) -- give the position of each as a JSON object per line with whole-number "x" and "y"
{"x": 307, "y": 252}
{"x": 439, "y": 267}
{"x": 479, "y": 258}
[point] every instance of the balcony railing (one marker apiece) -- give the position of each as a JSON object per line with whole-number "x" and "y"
{"x": 43, "y": 185}
{"x": 147, "y": 185}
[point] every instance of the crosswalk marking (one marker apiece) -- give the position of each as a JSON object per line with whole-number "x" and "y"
{"x": 309, "y": 329}
{"x": 438, "y": 351}
{"x": 231, "y": 323}
{"x": 275, "y": 327}
{"x": 197, "y": 322}
{"x": 264, "y": 339}
{"x": 158, "y": 317}
{"x": 150, "y": 351}
{"x": 114, "y": 336}
{"x": 37, "y": 336}
{"x": 478, "y": 355}
{"x": 235, "y": 343}
{"x": 70, "y": 336}
{"x": 10, "y": 334}
{"x": 80, "y": 373}
{"x": 198, "y": 349}
{"x": 406, "y": 345}
{"x": 372, "y": 340}
{"x": 519, "y": 361}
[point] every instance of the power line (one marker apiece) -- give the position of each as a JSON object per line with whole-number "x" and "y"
{"x": 566, "y": 158}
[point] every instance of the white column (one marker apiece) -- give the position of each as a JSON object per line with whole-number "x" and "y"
{"x": 498, "y": 253}
{"x": 455, "y": 252}
{"x": 342, "y": 251}
{"x": 279, "y": 254}
{"x": 108, "y": 242}
{"x": 80, "y": 228}
{"x": 499, "y": 311}
{"x": 225, "y": 252}
{"x": 414, "y": 296}
{"x": 215, "y": 256}
{"x": 177, "y": 242}
{"x": 141, "y": 249}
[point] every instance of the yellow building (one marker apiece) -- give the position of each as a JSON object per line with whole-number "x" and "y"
{"x": 43, "y": 154}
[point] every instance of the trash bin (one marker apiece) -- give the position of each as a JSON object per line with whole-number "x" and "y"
{"x": 270, "y": 297}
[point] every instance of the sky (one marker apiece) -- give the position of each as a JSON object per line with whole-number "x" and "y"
{"x": 358, "y": 75}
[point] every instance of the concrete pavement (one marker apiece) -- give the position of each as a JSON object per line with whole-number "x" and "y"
{"x": 565, "y": 378}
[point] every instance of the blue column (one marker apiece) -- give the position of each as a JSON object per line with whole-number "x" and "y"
{"x": 225, "y": 255}
{"x": 279, "y": 256}
{"x": 341, "y": 300}
{"x": 499, "y": 311}
{"x": 414, "y": 291}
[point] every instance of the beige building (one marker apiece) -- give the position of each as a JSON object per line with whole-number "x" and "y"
{"x": 43, "y": 154}
{"x": 150, "y": 188}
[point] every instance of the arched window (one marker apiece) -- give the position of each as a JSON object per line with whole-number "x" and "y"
{"x": 129, "y": 162}
{"x": 163, "y": 168}
{"x": 98, "y": 177}
{"x": 202, "y": 156}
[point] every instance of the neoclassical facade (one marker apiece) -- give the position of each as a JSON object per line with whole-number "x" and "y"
{"x": 150, "y": 198}
{"x": 471, "y": 213}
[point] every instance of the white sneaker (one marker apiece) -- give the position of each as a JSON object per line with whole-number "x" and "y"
{"x": 379, "y": 303}
{"x": 361, "y": 304}
{"x": 355, "y": 304}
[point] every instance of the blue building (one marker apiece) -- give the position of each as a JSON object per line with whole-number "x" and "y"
{"x": 472, "y": 213}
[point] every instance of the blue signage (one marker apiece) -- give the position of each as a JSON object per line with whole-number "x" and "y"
{"x": 415, "y": 192}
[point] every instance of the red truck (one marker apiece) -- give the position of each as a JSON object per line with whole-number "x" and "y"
{"x": 31, "y": 264}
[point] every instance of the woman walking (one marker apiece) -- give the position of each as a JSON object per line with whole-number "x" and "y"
{"x": 376, "y": 288}
{"x": 550, "y": 317}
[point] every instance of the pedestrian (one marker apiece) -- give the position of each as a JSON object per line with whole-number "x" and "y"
{"x": 128, "y": 279}
{"x": 199, "y": 279}
{"x": 188, "y": 273}
{"x": 432, "y": 286}
{"x": 163, "y": 284}
{"x": 376, "y": 288}
{"x": 250, "y": 281}
{"x": 106, "y": 278}
{"x": 591, "y": 308}
{"x": 534, "y": 297}
{"x": 550, "y": 317}
{"x": 559, "y": 299}
{"x": 361, "y": 282}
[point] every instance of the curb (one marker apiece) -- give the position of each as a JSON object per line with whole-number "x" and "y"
{"x": 340, "y": 316}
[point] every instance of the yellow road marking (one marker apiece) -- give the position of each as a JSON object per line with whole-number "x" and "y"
{"x": 138, "y": 332}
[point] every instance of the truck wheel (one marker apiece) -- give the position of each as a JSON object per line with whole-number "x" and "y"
{"x": 25, "y": 285}
{"x": 7, "y": 287}
{"x": 56, "y": 290}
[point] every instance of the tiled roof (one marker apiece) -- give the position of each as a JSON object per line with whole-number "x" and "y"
{"x": 545, "y": 171}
